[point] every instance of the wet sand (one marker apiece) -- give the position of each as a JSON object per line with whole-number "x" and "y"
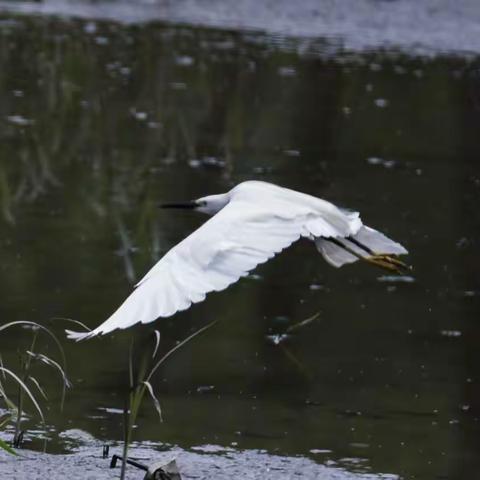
{"x": 213, "y": 463}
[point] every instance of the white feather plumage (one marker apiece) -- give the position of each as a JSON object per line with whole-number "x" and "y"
{"x": 255, "y": 221}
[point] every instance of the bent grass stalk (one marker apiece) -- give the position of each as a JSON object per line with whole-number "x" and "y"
{"x": 7, "y": 417}
{"x": 28, "y": 357}
{"x": 142, "y": 386}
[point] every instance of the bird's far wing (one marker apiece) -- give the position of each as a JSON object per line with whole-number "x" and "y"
{"x": 225, "y": 248}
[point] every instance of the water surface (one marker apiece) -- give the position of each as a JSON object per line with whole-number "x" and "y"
{"x": 100, "y": 121}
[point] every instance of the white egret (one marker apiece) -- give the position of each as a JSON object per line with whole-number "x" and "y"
{"x": 250, "y": 224}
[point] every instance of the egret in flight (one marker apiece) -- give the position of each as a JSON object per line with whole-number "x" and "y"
{"x": 249, "y": 225}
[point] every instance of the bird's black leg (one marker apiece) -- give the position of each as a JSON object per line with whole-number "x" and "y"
{"x": 387, "y": 262}
{"x": 338, "y": 243}
{"x": 360, "y": 245}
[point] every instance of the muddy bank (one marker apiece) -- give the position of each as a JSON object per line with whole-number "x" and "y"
{"x": 429, "y": 27}
{"x": 208, "y": 462}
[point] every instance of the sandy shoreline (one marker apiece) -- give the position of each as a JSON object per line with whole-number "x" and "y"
{"x": 209, "y": 462}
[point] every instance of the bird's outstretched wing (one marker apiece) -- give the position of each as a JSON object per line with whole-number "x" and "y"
{"x": 226, "y": 247}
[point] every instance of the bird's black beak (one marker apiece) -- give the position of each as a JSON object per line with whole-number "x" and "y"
{"x": 188, "y": 205}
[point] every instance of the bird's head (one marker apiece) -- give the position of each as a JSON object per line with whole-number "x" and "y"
{"x": 210, "y": 204}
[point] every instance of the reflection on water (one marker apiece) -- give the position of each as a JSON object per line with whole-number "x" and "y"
{"x": 99, "y": 122}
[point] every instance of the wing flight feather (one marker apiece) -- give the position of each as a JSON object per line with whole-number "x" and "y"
{"x": 225, "y": 248}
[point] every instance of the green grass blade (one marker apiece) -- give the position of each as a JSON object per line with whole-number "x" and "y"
{"x": 176, "y": 347}
{"x": 5, "y": 446}
{"x": 157, "y": 343}
{"x": 26, "y": 390}
{"x": 39, "y": 387}
{"x": 45, "y": 329}
{"x": 52, "y": 363}
{"x": 76, "y": 322}
{"x": 156, "y": 403}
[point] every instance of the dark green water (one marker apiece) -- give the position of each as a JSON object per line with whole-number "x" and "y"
{"x": 99, "y": 122}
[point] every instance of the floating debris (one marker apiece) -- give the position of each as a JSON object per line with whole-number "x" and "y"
{"x": 184, "y": 61}
{"x": 194, "y": 163}
{"x": 450, "y": 333}
{"x": 277, "y": 338}
{"x": 90, "y": 28}
{"x": 262, "y": 170}
{"x": 19, "y": 120}
{"x": 303, "y": 323}
{"x": 205, "y": 388}
{"x": 381, "y": 162}
{"x": 117, "y": 411}
{"x": 101, "y": 40}
{"x": 463, "y": 243}
{"x": 287, "y": 71}
{"x": 213, "y": 162}
{"x": 209, "y": 162}
{"x": 138, "y": 115}
{"x": 291, "y": 153}
{"x": 396, "y": 279}
{"x": 381, "y": 102}
{"x": 360, "y": 445}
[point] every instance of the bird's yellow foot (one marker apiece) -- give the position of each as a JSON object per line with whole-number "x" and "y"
{"x": 388, "y": 262}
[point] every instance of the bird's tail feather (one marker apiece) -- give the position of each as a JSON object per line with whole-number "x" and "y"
{"x": 364, "y": 244}
{"x": 77, "y": 336}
